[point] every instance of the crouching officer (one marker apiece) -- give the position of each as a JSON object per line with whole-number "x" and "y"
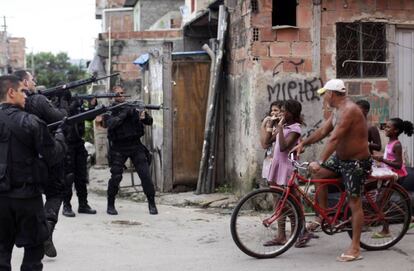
{"x": 125, "y": 127}
{"x": 24, "y": 140}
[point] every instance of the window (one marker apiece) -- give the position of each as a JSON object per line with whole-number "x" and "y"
{"x": 254, "y": 5}
{"x": 255, "y": 34}
{"x": 284, "y": 12}
{"x": 359, "y": 42}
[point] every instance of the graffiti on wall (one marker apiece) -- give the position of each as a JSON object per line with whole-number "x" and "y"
{"x": 379, "y": 108}
{"x": 302, "y": 90}
{"x": 295, "y": 64}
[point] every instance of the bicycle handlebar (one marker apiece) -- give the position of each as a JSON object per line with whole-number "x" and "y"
{"x": 296, "y": 163}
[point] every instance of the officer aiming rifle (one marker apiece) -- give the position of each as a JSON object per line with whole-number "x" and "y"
{"x": 98, "y": 96}
{"x": 59, "y": 90}
{"x": 91, "y": 114}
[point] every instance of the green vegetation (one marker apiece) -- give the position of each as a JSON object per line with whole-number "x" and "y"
{"x": 50, "y": 69}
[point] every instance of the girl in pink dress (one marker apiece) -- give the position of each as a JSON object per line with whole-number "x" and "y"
{"x": 267, "y": 139}
{"x": 393, "y": 156}
{"x": 288, "y": 132}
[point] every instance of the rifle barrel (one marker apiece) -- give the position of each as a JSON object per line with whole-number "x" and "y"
{"x": 74, "y": 84}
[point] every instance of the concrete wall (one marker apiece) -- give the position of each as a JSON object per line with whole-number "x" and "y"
{"x": 119, "y": 21}
{"x": 126, "y": 47}
{"x": 152, "y": 10}
{"x": 266, "y": 64}
{"x": 12, "y": 53}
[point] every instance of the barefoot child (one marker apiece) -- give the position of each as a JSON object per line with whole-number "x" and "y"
{"x": 288, "y": 132}
{"x": 393, "y": 156}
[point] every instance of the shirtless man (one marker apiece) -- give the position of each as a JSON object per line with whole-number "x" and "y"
{"x": 345, "y": 155}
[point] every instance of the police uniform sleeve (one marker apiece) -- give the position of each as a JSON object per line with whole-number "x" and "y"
{"x": 51, "y": 149}
{"x": 49, "y": 112}
{"x": 148, "y": 120}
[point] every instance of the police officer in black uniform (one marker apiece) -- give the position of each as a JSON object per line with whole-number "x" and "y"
{"x": 125, "y": 127}
{"x": 44, "y": 109}
{"x": 22, "y": 217}
{"x": 76, "y": 162}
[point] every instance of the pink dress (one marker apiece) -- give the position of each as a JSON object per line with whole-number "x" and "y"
{"x": 282, "y": 168}
{"x": 389, "y": 155}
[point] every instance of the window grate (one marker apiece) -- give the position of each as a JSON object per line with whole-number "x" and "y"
{"x": 254, "y": 6}
{"x": 362, "y": 42}
{"x": 255, "y": 34}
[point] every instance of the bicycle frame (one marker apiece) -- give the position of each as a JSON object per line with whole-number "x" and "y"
{"x": 294, "y": 191}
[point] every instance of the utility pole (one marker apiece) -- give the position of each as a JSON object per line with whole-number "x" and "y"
{"x": 4, "y": 24}
{"x": 33, "y": 64}
{"x": 5, "y": 39}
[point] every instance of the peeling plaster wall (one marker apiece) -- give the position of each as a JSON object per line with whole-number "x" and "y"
{"x": 124, "y": 52}
{"x": 267, "y": 64}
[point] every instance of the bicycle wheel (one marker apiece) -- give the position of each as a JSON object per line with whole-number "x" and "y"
{"x": 395, "y": 206}
{"x": 251, "y": 228}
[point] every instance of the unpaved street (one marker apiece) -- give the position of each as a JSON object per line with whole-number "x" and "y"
{"x": 181, "y": 239}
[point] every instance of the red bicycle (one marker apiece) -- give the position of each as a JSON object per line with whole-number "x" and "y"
{"x": 259, "y": 215}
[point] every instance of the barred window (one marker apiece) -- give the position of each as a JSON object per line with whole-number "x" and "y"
{"x": 254, "y": 6}
{"x": 358, "y": 44}
{"x": 255, "y": 34}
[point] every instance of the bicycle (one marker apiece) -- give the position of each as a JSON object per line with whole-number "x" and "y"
{"x": 257, "y": 216}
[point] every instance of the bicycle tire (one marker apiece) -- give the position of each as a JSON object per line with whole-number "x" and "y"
{"x": 398, "y": 210}
{"x": 250, "y": 234}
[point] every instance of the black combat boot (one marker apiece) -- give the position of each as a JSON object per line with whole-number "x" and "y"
{"x": 111, "y": 206}
{"x": 84, "y": 208}
{"x": 151, "y": 206}
{"x": 67, "y": 210}
{"x": 48, "y": 245}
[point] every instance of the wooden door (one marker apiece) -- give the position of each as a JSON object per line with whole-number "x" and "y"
{"x": 189, "y": 100}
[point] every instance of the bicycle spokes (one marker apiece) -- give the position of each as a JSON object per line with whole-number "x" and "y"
{"x": 264, "y": 224}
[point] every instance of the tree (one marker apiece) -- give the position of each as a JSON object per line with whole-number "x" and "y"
{"x": 50, "y": 69}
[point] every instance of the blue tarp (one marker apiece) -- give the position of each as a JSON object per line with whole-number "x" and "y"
{"x": 142, "y": 60}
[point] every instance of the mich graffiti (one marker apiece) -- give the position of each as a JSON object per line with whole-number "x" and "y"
{"x": 302, "y": 90}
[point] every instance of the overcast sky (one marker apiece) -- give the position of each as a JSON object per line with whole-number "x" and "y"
{"x": 53, "y": 25}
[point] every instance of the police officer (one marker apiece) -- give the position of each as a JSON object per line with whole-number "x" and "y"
{"x": 44, "y": 109}
{"x": 76, "y": 162}
{"x": 125, "y": 127}
{"x": 22, "y": 217}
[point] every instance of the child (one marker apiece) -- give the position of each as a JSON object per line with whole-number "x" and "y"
{"x": 287, "y": 132}
{"x": 393, "y": 155}
{"x": 266, "y": 138}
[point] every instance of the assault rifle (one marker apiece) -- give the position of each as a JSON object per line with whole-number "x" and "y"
{"x": 98, "y": 96}
{"x": 91, "y": 114}
{"x": 74, "y": 84}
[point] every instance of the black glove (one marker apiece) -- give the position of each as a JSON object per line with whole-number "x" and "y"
{"x": 60, "y": 131}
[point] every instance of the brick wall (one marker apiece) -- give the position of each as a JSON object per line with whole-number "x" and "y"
{"x": 17, "y": 53}
{"x": 267, "y": 64}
